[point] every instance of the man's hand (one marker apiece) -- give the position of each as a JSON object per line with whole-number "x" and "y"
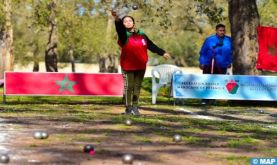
{"x": 166, "y": 56}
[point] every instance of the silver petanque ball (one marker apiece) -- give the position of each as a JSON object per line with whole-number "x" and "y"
{"x": 128, "y": 122}
{"x": 37, "y": 135}
{"x": 261, "y": 111}
{"x": 177, "y": 138}
{"x": 4, "y": 158}
{"x": 127, "y": 159}
{"x": 44, "y": 135}
{"x": 135, "y": 7}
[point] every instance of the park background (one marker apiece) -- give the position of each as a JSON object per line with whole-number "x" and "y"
{"x": 83, "y": 32}
{"x": 67, "y": 34}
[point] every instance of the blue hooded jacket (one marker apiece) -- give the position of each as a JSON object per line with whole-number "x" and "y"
{"x": 218, "y": 48}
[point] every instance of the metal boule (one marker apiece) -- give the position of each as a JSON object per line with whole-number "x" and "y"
{"x": 261, "y": 111}
{"x": 34, "y": 161}
{"x": 37, "y": 135}
{"x": 44, "y": 135}
{"x": 88, "y": 148}
{"x": 135, "y": 7}
{"x": 127, "y": 158}
{"x": 177, "y": 138}
{"x": 128, "y": 122}
{"x": 4, "y": 158}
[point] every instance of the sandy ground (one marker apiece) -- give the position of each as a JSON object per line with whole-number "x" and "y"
{"x": 16, "y": 140}
{"x": 17, "y": 145}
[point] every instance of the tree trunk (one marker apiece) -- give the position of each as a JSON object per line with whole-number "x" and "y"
{"x": 108, "y": 62}
{"x": 6, "y": 41}
{"x": 180, "y": 61}
{"x": 36, "y": 66}
{"x": 36, "y": 58}
{"x": 51, "y": 54}
{"x": 72, "y": 60}
{"x": 244, "y": 19}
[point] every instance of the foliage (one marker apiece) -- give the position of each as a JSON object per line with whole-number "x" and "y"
{"x": 29, "y": 38}
{"x": 175, "y": 26}
{"x": 41, "y": 12}
{"x": 213, "y": 9}
{"x": 1, "y": 15}
{"x": 268, "y": 15}
{"x": 179, "y": 27}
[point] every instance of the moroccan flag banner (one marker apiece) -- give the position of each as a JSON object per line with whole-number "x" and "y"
{"x": 267, "y": 57}
{"x": 43, "y": 84}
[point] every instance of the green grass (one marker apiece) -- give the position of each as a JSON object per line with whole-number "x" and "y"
{"x": 142, "y": 139}
{"x": 94, "y": 112}
{"x": 230, "y": 159}
{"x": 239, "y": 160}
{"x": 243, "y": 142}
{"x": 195, "y": 140}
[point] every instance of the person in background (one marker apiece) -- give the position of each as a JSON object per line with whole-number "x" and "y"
{"x": 216, "y": 54}
{"x": 134, "y": 44}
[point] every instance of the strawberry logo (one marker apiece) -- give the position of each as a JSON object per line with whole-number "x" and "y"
{"x": 232, "y": 87}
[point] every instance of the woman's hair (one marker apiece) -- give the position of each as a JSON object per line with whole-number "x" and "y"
{"x": 128, "y": 17}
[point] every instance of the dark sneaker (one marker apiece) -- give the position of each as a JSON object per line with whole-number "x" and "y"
{"x": 128, "y": 111}
{"x": 135, "y": 111}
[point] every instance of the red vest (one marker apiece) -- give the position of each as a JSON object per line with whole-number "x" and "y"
{"x": 134, "y": 53}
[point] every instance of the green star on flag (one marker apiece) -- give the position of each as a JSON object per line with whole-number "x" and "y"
{"x": 66, "y": 84}
{"x": 272, "y": 50}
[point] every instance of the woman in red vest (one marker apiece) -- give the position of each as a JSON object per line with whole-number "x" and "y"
{"x": 134, "y": 44}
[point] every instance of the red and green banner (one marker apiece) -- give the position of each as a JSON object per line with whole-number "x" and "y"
{"x": 43, "y": 84}
{"x": 267, "y": 57}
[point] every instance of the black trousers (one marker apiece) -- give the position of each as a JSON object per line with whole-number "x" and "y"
{"x": 132, "y": 85}
{"x": 216, "y": 70}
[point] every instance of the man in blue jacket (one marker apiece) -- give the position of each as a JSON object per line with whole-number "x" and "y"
{"x": 216, "y": 53}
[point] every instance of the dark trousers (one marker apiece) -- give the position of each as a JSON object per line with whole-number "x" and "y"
{"x": 132, "y": 85}
{"x": 216, "y": 70}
